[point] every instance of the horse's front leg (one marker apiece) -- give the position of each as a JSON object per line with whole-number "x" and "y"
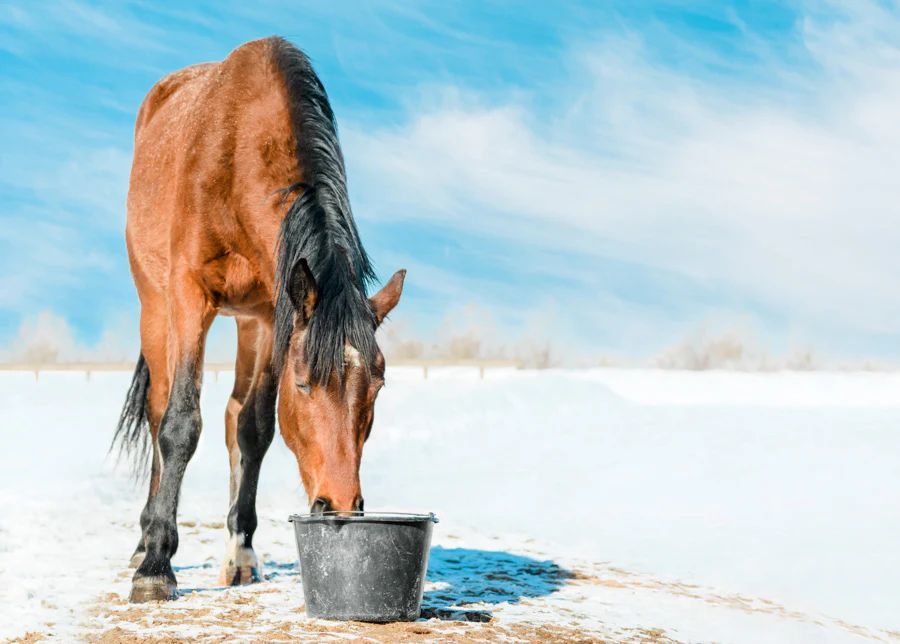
{"x": 179, "y": 434}
{"x": 255, "y": 430}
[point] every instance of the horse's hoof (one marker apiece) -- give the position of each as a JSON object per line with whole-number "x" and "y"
{"x": 239, "y": 575}
{"x": 240, "y": 566}
{"x": 137, "y": 559}
{"x": 152, "y": 589}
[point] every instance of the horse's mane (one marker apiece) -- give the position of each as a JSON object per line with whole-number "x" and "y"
{"x": 319, "y": 227}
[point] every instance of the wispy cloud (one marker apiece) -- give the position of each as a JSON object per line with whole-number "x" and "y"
{"x": 640, "y": 170}
{"x": 780, "y": 197}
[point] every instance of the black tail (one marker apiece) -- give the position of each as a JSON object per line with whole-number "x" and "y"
{"x": 133, "y": 431}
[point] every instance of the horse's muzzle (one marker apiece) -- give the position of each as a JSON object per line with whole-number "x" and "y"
{"x": 322, "y": 505}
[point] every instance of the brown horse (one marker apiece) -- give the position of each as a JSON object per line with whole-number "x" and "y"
{"x": 238, "y": 206}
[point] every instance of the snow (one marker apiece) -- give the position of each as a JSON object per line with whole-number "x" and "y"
{"x": 614, "y": 503}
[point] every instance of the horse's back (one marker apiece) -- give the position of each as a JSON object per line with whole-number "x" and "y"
{"x": 196, "y": 161}
{"x": 172, "y": 89}
{"x": 158, "y": 137}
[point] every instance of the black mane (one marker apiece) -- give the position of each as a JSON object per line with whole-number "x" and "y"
{"x": 319, "y": 227}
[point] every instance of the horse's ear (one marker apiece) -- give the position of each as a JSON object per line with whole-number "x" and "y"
{"x": 386, "y": 299}
{"x": 303, "y": 290}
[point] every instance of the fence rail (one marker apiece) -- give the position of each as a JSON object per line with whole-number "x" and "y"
{"x": 216, "y": 367}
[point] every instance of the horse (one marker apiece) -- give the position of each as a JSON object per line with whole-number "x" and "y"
{"x": 237, "y": 205}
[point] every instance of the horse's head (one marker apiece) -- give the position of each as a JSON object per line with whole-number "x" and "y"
{"x": 326, "y": 420}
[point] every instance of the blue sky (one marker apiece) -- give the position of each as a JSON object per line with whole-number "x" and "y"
{"x": 615, "y": 175}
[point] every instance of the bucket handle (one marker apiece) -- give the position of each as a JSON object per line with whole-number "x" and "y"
{"x": 430, "y": 516}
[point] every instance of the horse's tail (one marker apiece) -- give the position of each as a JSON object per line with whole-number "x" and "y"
{"x": 133, "y": 430}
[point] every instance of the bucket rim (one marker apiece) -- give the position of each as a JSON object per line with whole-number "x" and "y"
{"x": 358, "y": 516}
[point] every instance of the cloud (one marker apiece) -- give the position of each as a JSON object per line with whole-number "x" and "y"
{"x": 636, "y": 186}
{"x": 47, "y": 338}
{"x": 775, "y": 196}
{"x": 62, "y": 238}
{"x": 89, "y": 181}
{"x": 75, "y": 22}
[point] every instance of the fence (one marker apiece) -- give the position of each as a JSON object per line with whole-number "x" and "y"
{"x": 216, "y": 367}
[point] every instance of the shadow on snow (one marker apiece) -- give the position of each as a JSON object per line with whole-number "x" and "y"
{"x": 462, "y": 577}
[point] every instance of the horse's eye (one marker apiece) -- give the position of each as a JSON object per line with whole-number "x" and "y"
{"x": 305, "y": 388}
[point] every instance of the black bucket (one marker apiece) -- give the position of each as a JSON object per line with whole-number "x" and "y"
{"x": 363, "y": 566}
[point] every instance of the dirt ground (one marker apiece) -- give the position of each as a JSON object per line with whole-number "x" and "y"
{"x": 240, "y": 615}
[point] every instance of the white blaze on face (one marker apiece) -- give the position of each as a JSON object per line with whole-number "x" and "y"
{"x": 351, "y": 356}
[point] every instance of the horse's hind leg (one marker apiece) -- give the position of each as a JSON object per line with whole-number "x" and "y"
{"x": 243, "y": 379}
{"x": 190, "y": 315}
{"x": 153, "y": 348}
{"x": 252, "y": 432}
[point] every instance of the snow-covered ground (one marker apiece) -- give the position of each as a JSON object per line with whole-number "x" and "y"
{"x": 617, "y": 504}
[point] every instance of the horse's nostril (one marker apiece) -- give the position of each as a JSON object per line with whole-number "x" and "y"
{"x": 359, "y": 504}
{"x": 320, "y": 505}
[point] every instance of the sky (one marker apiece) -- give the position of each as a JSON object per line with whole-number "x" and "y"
{"x": 611, "y": 177}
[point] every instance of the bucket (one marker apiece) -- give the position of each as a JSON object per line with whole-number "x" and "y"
{"x": 363, "y": 566}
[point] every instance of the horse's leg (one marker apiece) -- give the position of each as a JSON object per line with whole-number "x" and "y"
{"x": 243, "y": 378}
{"x": 254, "y": 432}
{"x": 153, "y": 347}
{"x": 190, "y": 314}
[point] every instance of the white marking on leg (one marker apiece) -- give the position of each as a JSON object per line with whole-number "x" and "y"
{"x": 159, "y": 456}
{"x": 239, "y": 559}
{"x": 234, "y": 452}
{"x": 234, "y": 483}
